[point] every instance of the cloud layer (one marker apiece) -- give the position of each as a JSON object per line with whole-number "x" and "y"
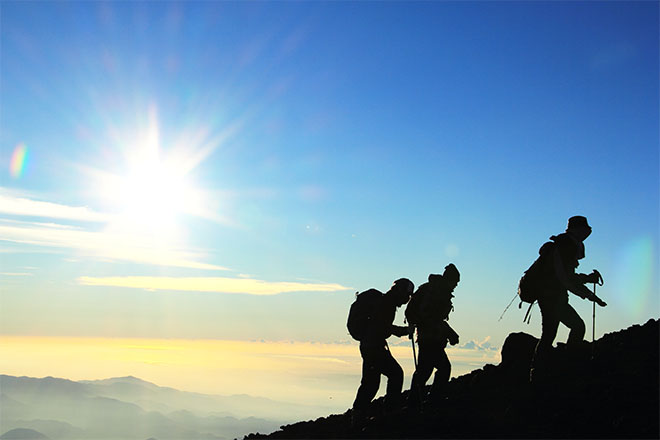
{"x": 210, "y": 284}
{"x": 21, "y": 206}
{"x": 113, "y": 246}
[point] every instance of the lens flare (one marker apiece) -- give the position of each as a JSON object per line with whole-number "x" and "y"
{"x": 18, "y": 161}
{"x": 634, "y": 276}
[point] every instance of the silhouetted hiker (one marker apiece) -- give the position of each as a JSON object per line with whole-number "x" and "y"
{"x": 371, "y": 322}
{"x": 428, "y": 311}
{"x": 561, "y": 257}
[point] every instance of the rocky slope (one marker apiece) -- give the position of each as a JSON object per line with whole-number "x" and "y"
{"x": 608, "y": 389}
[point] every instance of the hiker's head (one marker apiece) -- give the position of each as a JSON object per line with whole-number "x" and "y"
{"x": 401, "y": 290}
{"x": 451, "y": 275}
{"x": 578, "y": 226}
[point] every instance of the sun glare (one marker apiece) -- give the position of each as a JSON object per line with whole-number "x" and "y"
{"x": 152, "y": 196}
{"x": 153, "y": 192}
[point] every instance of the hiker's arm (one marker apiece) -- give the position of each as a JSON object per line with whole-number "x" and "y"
{"x": 582, "y": 278}
{"x": 583, "y": 292}
{"x": 560, "y": 271}
{"x": 452, "y": 336}
{"x": 411, "y": 331}
{"x": 575, "y": 282}
{"x": 578, "y": 287}
{"x": 569, "y": 281}
{"x": 399, "y": 330}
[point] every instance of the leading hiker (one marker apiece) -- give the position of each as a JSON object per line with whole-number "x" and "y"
{"x": 562, "y": 256}
{"x": 371, "y": 322}
{"x": 428, "y": 311}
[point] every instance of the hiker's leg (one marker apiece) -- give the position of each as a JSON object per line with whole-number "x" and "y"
{"x": 394, "y": 373}
{"x": 570, "y": 318}
{"x": 370, "y": 378}
{"x": 422, "y": 373}
{"x": 425, "y": 365}
{"x": 549, "y": 327}
{"x": 442, "y": 374}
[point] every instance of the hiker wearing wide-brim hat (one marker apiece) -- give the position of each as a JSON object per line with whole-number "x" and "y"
{"x": 563, "y": 255}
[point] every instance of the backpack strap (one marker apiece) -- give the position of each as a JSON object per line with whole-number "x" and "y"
{"x": 528, "y": 316}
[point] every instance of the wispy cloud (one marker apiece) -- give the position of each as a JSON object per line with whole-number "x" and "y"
{"x": 114, "y": 246}
{"x": 15, "y": 204}
{"x": 210, "y": 284}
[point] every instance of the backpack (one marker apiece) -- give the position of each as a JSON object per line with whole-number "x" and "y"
{"x": 417, "y": 300}
{"x": 414, "y": 307}
{"x": 361, "y": 312}
{"x": 534, "y": 278}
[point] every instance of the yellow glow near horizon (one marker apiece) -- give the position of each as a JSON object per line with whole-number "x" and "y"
{"x": 278, "y": 370}
{"x": 299, "y": 372}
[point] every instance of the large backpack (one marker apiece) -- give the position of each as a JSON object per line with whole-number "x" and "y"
{"x": 435, "y": 286}
{"x": 414, "y": 307}
{"x": 361, "y": 312}
{"x": 536, "y": 277}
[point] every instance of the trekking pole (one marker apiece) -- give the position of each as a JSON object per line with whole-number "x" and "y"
{"x": 598, "y": 281}
{"x": 419, "y": 389}
{"x": 414, "y": 351}
{"x": 507, "y": 307}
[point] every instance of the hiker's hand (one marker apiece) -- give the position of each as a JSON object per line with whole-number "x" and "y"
{"x": 453, "y": 339}
{"x": 400, "y": 331}
{"x": 411, "y": 332}
{"x": 593, "y": 277}
{"x": 597, "y": 300}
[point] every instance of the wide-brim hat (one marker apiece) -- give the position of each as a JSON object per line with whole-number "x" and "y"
{"x": 578, "y": 221}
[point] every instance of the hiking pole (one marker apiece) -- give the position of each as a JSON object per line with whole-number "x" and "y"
{"x": 593, "y": 324}
{"x": 412, "y": 340}
{"x": 598, "y": 281}
{"x": 507, "y": 307}
{"x": 419, "y": 389}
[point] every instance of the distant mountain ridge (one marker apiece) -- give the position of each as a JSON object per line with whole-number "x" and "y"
{"x": 607, "y": 389}
{"x": 131, "y": 408}
{"x": 23, "y": 434}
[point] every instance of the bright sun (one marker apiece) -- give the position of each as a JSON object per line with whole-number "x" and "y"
{"x": 153, "y": 192}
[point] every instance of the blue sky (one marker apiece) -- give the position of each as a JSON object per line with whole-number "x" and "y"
{"x": 333, "y": 145}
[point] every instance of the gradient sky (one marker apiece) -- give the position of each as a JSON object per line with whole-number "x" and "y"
{"x": 236, "y": 171}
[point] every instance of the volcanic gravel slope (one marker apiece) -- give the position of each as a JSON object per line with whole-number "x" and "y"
{"x": 608, "y": 389}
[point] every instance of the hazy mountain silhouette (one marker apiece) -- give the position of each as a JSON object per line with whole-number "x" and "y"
{"x": 152, "y": 397}
{"x": 609, "y": 389}
{"x": 23, "y": 434}
{"x": 130, "y": 408}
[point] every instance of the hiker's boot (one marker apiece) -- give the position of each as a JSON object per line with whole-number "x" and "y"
{"x": 415, "y": 398}
{"x": 392, "y": 404}
{"x": 579, "y": 349}
{"x": 358, "y": 418}
{"x": 538, "y": 375}
{"x": 438, "y": 393}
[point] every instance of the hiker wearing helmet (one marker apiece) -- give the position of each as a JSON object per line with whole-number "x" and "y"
{"x": 377, "y": 359}
{"x": 428, "y": 311}
{"x": 566, "y": 251}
